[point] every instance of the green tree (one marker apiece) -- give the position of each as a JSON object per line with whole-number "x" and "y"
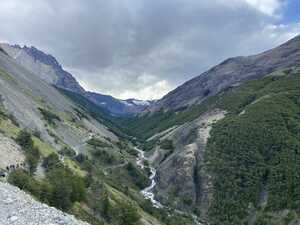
{"x": 127, "y": 214}
{"x": 24, "y": 139}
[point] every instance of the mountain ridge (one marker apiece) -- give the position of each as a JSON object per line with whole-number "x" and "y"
{"x": 230, "y": 72}
{"x": 50, "y": 70}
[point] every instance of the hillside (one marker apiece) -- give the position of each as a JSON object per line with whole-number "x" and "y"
{"x": 65, "y": 151}
{"x": 237, "y": 161}
{"x": 32, "y": 212}
{"x": 48, "y": 69}
{"x": 222, "y": 149}
{"x": 231, "y": 72}
{"x": 230, "y": 157}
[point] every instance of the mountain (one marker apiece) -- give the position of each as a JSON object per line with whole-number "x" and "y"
{"x": 48, "y": 69}
{"x": 232, "y": 72}
{"x": 236, "y": 161}
{"x": 67, "y": 152}
{"x": 221, "y": 149}
{"x": 225, "y": 145}
{"x": 118, "y": 107}
{"x": 32, "y": 102}
{"x": 44, "y": 65}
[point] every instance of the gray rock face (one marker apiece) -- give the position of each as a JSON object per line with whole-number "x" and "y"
{"x": 18, "y": 208}
{"x": 231, "y": 72}
{"x": 23, "y": 93}
{"x": 45, "y": 66}
{"x": 182, "y": 178}
{"x": 48, "y": 69}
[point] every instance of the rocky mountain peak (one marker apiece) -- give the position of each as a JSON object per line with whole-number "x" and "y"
{"x": 42, "y": 57}
{"x": 231, "y": 72}
{"x": 50, "y": 70}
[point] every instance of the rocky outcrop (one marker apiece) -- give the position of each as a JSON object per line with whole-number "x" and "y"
{"x": 182, "y": 178}
{"x": 19, "y": 208}
{"x": 231, "y": 72}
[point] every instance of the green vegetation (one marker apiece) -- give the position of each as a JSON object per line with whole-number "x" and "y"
{"x": 139, "y": 179}
{"x": 98, "y": 143}
{"x": 6, "y": 76}
{"x": 166, "y": 144}
{"x": 127, "y": 214}
{"x": 67, "y": 151}
{"x": 255, "y": 147}
{"x": 49, "y": 116}
{"x": 60, "y": 188}
{"x": 32, "y": 153}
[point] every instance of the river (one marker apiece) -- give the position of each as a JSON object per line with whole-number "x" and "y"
{"x": 148, "y": 191}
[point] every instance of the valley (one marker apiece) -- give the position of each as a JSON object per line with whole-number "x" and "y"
{"x": 221, "y": 149}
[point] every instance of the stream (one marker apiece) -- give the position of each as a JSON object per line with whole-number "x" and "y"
{"x": 148, "y": 191}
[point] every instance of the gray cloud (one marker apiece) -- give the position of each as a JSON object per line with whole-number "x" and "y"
{"x": 142, "y": 48}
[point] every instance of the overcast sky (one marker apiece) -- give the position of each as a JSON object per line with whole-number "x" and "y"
{"x": 145, "y": 48}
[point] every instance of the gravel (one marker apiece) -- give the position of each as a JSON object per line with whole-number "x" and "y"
{"x": 19, "y": 208}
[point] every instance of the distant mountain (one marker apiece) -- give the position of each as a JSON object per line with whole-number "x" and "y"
{"x": 231, "y": 72}
{"x": 118, "y": 107}
{"x": 45, "y": 66}
{"x": 49, "y": 69}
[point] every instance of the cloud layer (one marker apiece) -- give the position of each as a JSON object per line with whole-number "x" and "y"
{"x": 142, "y": 48}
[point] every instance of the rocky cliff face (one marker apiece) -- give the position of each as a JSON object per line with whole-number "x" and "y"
{"x": 182, "y": 179}
{"x": 231, "y": 72}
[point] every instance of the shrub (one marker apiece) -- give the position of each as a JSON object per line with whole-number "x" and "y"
{"x": 32, "y": 153}
{"x": 167, "y": 144}
{"x": 127, "y": 214}
{"x": 24, "y": 139}
{"x": 98, "y": 143}
{"x": 139, "y": 179}
{"x": 52, "y": 161}
{"x": 67, "y": 152}
{"x": 49, "y": 116}
{"x": 67, "y": 188}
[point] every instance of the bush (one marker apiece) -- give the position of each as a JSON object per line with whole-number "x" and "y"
{"x": 67, "y": 152}
{"x": 127, "y": 214}
{"x": 40, "y": 189}
{"x": 67, "y": 188}
{"x": 98, "y": 143}
{"x": 138, "y": 178}
{"x": 24, "y": 139}
{"x": 32, "y": 153}
{"x": 167, "y": 144}
{"x": 49, "y": 116}
{"x": 51, "y": 162}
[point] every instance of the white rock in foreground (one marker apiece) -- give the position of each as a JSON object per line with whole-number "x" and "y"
{"x": 19, "y": 208}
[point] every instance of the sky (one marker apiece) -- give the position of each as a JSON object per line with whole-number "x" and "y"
{"x": 145, "y": 48}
